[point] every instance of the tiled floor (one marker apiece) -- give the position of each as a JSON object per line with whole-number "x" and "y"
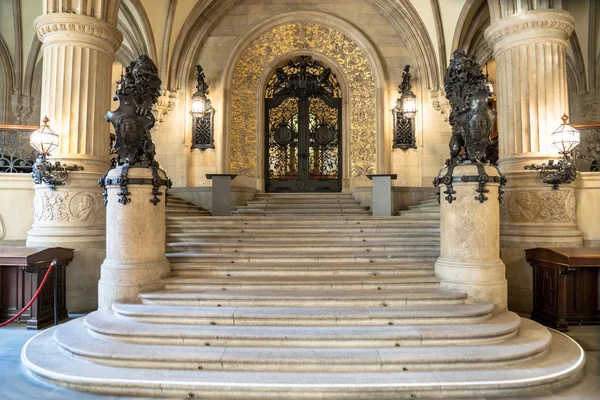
{"x": 16, "y": 384}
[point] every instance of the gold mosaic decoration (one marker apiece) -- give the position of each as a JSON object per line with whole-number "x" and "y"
{"x": 315, "y": 38}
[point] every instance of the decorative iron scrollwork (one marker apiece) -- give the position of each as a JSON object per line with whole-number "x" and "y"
{"x": 53, "y": 175}
{"x": 556, "y": 173}
{"x": 203, "y": 121}
{"x": 16, "y": 154}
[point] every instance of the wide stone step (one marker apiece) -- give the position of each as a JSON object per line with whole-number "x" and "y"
{"x": 295, "y": 206}
{"x": 315, "y": 220}
{"x": 316, "y": 200}
{"x": 303, "y": 196}
{"x": 239, "y": 269}
{"x": 405, "y": 231}
{"x": 267, "y": 237}
{"x": 311, "y": 248}
{"x": 494, "y": 329}
{"x": 562, "y": 365}
{"x": 306, "y": 316}
{"x": 302, "y": 298}
{"x": 527, "y": 344}
{"x": 292, "y": 282}
{"x": 302, "y": 211}
{"x": 301, "y": 258}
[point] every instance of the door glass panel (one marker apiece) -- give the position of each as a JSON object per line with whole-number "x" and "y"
{"x": 323, "y": 140}
{"x": 283, "y": 140}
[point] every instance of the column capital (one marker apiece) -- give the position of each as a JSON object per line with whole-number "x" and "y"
{"x": 529, "y": 27}
{"x": 61, "y": 27}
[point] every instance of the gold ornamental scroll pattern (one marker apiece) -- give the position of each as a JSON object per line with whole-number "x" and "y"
{"x": 292, "y": 38}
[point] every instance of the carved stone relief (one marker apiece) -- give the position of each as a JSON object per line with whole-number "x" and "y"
{"x": 539, "y": 206}
{"x": 310, "y": 37}
{"x": 65, "y": 206}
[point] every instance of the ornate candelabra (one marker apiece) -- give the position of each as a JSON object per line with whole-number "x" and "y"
{"x": 562, "y": 171}
{"x": 44, "y": 140}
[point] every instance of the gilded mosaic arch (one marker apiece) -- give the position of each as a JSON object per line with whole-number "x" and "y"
{"x": 295, "y": 37}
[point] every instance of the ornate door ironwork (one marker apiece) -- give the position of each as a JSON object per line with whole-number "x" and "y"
{"x": 303, "y": 110}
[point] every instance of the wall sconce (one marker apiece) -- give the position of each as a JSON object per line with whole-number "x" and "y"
{"x": 489, "y": 83}
{"x": 562, "y": 172}
{"x": 203, "y": 115}
{"x": 44, "y": 140}
{"x": 404, "y": 113}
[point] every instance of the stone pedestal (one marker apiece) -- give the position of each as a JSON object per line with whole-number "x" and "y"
{"x": 469, "y": 259}
{"x": 135, "y": 240}
{"x": 530, "y": 51}
{"x": 221, "y": 193}
{"x": 382, "y": 194}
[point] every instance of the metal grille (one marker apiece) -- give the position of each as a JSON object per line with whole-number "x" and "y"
{"x": 16, "y": 154}
{"x": 203, "y": 131}
{"x": 404, "y": 132}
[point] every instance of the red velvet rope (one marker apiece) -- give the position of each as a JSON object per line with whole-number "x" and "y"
{"x": 37, "y": 293}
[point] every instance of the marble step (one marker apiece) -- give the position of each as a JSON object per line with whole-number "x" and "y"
{"x": 305, "y": 316}
{"x": 74, "y": 338}
{"x": 268, "y": 237}
{"x": 349, "y": 220}
{"x": 305, "y": 257}
{"x": 292, "y": 282}
{"x": 303, "y": 211}
{"x": 239, "y": 269}
{"x": 562, "y": 365}
{"x": 302, "y": 298}
{"x": 494, "y": 329}
{"x": 268, "y": 201}
{"x": 303, "y": 196}
{"x": 311, "y": 248}
{"x": 311, "y": 205}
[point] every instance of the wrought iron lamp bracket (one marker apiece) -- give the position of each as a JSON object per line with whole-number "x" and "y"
{"x": 53, "y": 175}
{"x": 557, "y": 172}
{"x": 123, "y": 181}
{"x": 482, "y": 178}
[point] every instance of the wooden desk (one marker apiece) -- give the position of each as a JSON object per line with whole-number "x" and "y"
{"x": 21, "y": 272}
{"x": 565, "y": 286}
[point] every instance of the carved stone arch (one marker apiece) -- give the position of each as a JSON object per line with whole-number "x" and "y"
{"x": 8, "y": 77}
{"x": 125, "y": 56}
{"x": 473, "y": 20}
{"x": 133, "y": 22}
{"x": 359, "y": 167}
{"x": 206, "y": 14}
{"x": 32, "y": 62}
{"x": 576, "y": 76}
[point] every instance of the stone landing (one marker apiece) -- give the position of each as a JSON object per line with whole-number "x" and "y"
{"x": 306, "y": 306}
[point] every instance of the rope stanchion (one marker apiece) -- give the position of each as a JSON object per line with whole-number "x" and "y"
{"x": 35, "y": 296}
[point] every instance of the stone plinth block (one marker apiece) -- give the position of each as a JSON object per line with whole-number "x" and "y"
{"x": 469, "y": 259}
{"x": 382, "y": 194}
{"x": 221, "y": 195}
{"x": 135, "y": 240}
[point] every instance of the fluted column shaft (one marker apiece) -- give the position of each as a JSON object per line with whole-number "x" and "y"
{"x": 530, "y": 52}
{"x": 79, "y": 40}
{"x": 78, "y": 52}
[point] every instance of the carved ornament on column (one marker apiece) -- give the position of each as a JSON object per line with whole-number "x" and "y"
{"x": 539, "y": 206}
{"x": 166, "y": 104}
{"x": 48, "y": 24}
{"x": 65, "y": 206}
{"x": 22, "y": 108}
{"x": 526, "y": 26}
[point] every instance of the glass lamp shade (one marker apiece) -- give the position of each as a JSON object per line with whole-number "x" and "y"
{"x": 44, "y": 140}
{"x": 565, "y": 138}
{"x": 409, "y": 104}
{"x": 198, "y": 105}
{"x": 490, "y": 88}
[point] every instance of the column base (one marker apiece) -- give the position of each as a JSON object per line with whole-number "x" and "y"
{"x": 482, "y": 281}
{"x": 122, "y": 281}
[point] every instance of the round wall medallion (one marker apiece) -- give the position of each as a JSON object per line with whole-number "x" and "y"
{"x": 324, "y": 135}
{"x": 283, "y": 135}
{"x": 82, "y": 206}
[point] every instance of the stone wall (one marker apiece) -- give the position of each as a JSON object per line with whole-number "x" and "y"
{"x": 16, "y": 208}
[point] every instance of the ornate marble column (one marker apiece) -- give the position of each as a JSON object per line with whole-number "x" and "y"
{"x": 530, "y": 51}
{"x": 79, "y": 41}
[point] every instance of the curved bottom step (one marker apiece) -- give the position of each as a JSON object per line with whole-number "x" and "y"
{"x": 559, "y": 367}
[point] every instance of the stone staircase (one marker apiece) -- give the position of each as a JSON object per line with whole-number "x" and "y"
{"x": 339, "y": 204}
{"x": 177, "y": 206}
{"x": 283, "y": 303}
{"x": 429, "y": 208}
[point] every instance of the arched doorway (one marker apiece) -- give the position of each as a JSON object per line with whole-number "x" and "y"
{"x": 303, "y": 129}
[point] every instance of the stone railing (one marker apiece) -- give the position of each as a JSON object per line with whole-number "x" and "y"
{"x": 16, "y": 154}
{"x": 589, "y": 148}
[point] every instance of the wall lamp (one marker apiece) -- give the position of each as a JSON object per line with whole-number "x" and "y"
{"x": 44, "y": 140}
{"x": 203, "y": 115}
{"x": 404, "y": 113}
{"x": 563, "y": 171}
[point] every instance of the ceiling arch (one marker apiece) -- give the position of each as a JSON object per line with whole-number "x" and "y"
{"x": 206, "y": 14}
